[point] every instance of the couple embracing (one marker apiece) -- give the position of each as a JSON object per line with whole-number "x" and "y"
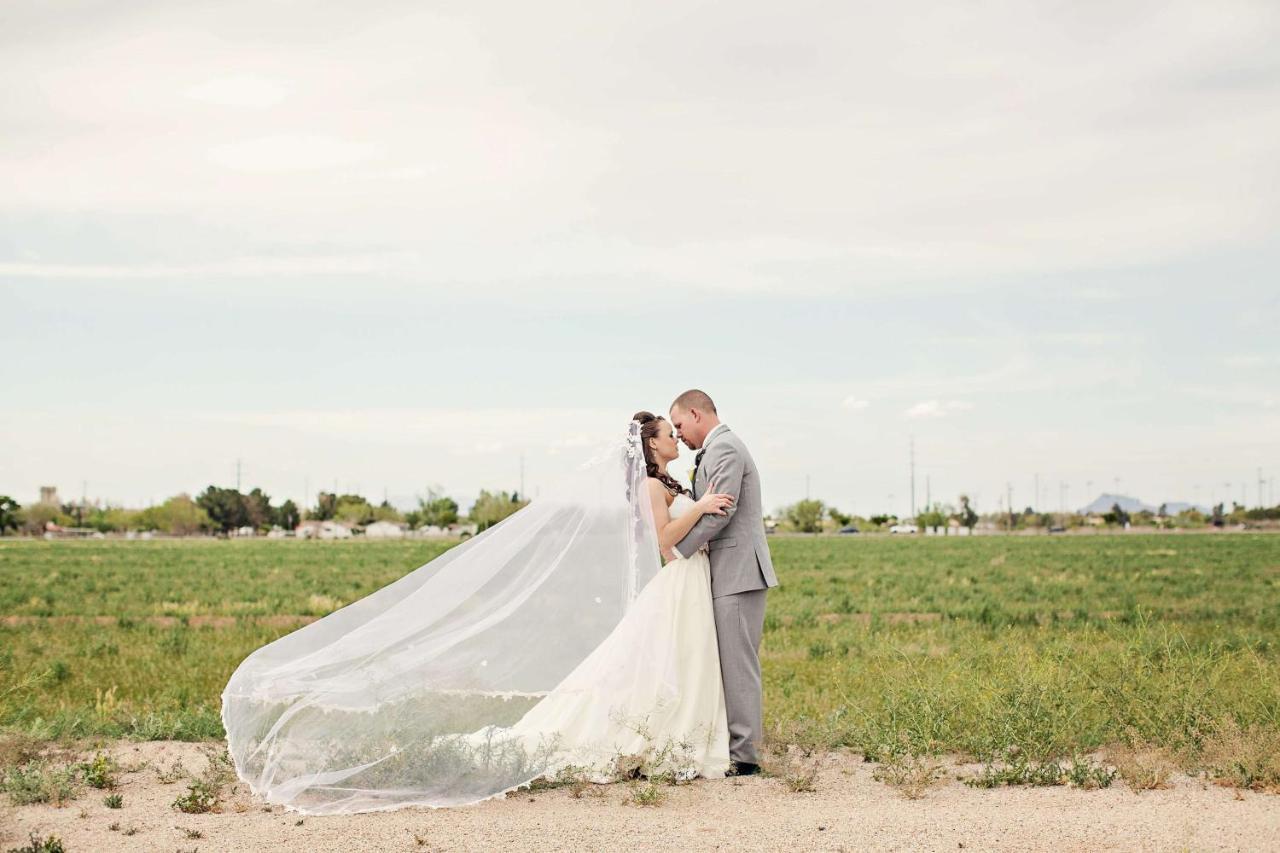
{"x": 556, "y": 640}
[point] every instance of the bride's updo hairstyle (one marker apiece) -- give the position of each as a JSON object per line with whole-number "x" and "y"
{"x": 649, "y": 424}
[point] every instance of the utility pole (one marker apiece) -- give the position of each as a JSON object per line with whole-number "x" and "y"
{"x": 1260, "y": 483}
{"x": 522, "y": 476}
{"x": 928, "y": 495}
{"x": 237, "y": 473}
{"x": 1035, "y": 501}
{"x": 1009, "y": 494}
{"x": 913, "y": 476}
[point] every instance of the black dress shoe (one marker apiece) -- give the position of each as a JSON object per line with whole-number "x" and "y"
{"x": 742, "y": 768}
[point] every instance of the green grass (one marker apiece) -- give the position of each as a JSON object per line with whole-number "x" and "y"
{"x": 1052, "y": 645}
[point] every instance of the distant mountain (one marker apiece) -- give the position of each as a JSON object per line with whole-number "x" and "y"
{"x": 1104, "y": 502}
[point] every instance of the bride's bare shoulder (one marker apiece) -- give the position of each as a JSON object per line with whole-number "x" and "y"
{"x": 659, "y": 489}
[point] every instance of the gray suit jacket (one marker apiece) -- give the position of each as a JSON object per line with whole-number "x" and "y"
{"x": 739, "y": 552}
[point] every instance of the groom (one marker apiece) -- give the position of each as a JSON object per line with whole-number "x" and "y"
{"x": 741, "y": 570}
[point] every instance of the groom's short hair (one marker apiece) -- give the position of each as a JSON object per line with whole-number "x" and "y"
{"x": 694, "y": 399}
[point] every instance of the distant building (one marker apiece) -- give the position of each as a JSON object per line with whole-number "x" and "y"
{"x": 322, "y": 530}
{"x": 432, "y": 531}
{"x": 384, "y": 530}
{"x": 49, "y": 495}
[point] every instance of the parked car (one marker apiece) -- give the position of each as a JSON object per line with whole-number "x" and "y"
{"x": 848, "y": 528}
{"x": 1057, "y": 528}
{"x": 904, "y": 528}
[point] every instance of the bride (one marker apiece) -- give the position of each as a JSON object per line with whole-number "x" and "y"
{"x": 556, "y": 639}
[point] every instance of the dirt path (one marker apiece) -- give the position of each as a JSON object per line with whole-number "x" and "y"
{"x": 848, "y": 811}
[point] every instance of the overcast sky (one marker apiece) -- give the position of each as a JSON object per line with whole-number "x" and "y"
{"x": 383, "y": 245}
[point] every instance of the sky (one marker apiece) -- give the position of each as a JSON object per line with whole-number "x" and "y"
{"x": 384, "y": 246}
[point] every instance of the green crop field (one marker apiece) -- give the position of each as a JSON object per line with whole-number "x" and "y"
{"x": 1055, "y": 645}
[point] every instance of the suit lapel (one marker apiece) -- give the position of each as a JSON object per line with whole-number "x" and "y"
{"x": 697, "y": 465}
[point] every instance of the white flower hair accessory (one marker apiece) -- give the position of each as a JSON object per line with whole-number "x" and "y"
{"x": 633, "y": 440}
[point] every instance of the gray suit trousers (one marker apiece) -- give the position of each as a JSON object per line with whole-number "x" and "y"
{"x": 739, "y": 624}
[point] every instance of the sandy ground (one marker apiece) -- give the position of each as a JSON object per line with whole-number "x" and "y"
{"x": 849, "y": 811}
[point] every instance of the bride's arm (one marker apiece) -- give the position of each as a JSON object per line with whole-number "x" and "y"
{"x": 672, "y": 531}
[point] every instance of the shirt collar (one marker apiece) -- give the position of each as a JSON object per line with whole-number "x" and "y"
{"x": 712, "y": 435}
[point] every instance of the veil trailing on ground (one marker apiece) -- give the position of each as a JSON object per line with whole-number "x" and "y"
{"x": 401, "y": 697}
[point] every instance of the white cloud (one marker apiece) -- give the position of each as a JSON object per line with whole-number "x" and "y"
{"x": 292, "y": 153}
{"x": 526, "y": 145}
{"x": 937, "y": 409}
{"x": 854, "y": 404}
{"x": 241, "y": 91}
{"x": 356, "y": 264}
{"x": 1244, "y": 362}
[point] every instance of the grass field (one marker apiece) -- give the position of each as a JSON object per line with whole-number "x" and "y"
{"x": 1054, "y": 646}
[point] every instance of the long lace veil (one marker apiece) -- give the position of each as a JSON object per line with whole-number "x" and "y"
{"x": 387, "y": 702}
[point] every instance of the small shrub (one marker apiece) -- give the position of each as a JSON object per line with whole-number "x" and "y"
{"x": 173, "y": 773}
{"x": 647, "y": 794}
{"x": 205, "y": 793}
{"x": 39, "y": 782}
{"x": 1018, "y": 770}
{"x": 200, "y": 798}
{"x": 40, "y": 844}
{"x": 100, "y": 772}
{"x": 113, "y": 801}
{"x": 59, "y": 672}
{"x": 1089, "y": 775}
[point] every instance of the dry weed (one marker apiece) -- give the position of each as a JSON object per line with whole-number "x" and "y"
{"x": 1143, "y": 766}
{"x": 911, "y": 774}
{"x": 1249, "y": 758}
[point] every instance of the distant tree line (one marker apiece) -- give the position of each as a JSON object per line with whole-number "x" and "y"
{"x": 222, "y": 510}
{"x": 815, "y": 516}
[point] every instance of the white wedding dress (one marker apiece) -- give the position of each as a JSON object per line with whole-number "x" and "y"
{"x": 650, "y": 694}
{"x": 554, "y": 638}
